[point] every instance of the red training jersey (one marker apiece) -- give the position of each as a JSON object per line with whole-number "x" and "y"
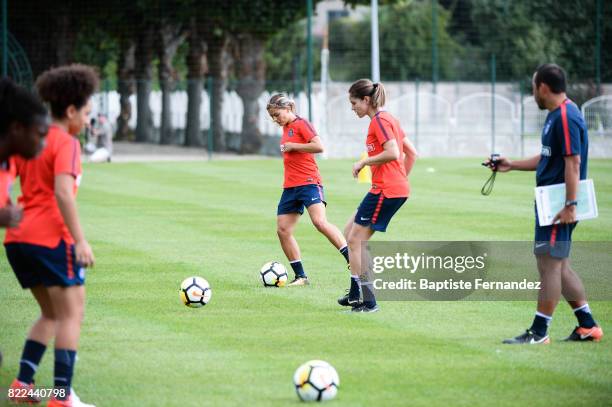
{"x": 7, "y": 176}
{"x": 389, "y": 178}
{"x": 300, "y": 168}
{"x": 42, "y": 222}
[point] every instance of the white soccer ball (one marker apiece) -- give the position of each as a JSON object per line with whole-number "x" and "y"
{"x": 316, "y": 380}
{"x": 195, "y": 292}
{"x": 273, "y": 274}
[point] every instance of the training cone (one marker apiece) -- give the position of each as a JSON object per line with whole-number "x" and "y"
{"x": 365, "y": 175}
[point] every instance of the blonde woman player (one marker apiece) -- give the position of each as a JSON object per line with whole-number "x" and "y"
{"x": 302, "y": 185}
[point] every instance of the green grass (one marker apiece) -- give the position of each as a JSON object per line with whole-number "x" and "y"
{"x": 151, "y": 225}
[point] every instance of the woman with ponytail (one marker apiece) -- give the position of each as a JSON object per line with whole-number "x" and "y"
{"x": 391, "y": 157}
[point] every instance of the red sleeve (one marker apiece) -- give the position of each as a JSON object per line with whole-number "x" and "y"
{"x": 382, "y": 129}
{"x": 570, "y": 133}
{"x": 307, "y": 130}
{"x": 14, "y": 161}
{"x": 68, "y": 158}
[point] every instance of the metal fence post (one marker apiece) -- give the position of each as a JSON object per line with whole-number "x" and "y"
{"x": 209, "y": 88}
{"x": 309, "y": 56}
{"x": 598, "y": 48}
{"x": 434, "y": 44}
{"x": 522, "y": 119}
{"x": 4, "y": 39}
{"x": 493, "y": 103}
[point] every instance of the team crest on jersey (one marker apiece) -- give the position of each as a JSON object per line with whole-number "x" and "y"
{"x": 290, "y": 134}
{"x": 370, "y": 148}
{"x": 546, "y": 151}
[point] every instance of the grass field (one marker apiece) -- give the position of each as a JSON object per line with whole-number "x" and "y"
{"x": 151, "y": 225}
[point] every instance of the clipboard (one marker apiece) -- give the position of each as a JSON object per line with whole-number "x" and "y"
{"x": 550, "y": 199}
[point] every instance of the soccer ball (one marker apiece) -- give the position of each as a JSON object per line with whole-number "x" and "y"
{"x": 316, "y": 380}
{"x": 195, "y": 292}
{"x": 273, "y": 274}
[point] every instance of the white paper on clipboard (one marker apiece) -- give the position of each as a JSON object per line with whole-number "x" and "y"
{"x": 550, "y": 199}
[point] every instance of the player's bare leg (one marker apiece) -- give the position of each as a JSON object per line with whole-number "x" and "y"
{"x": 349, "y": 226}
{"x": 357, "y": 236}
{"x": 550, "y": 269}
{"x": 571, "y": 286}
{"x": 574, "y": 293}
{"x": 285, "y": 224}
{"x": 69, "y": 307}
{"x": 39, "y": 336}
{"x": 45, "y": 326}
{"x": 329, "y": 230}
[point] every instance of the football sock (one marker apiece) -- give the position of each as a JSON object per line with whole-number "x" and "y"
{"x": 585, "y": 318}
{"x": 298, "y": 269}
{"x": 354, "y": 290}
{"x": 64, "y": 368}
{"x": 540, "y": 324}
{"x": 369, "y": 300}
{"x": 344, "y": 252}
{"x": 30, "y": 359}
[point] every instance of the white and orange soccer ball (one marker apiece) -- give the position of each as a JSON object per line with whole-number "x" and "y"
{"x": 195, "y": 292}
{"x": 316, "y": 380}
{"x": 273, "y": 274}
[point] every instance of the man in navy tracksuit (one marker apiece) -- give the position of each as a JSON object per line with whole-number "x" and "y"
{"x": 563, "y": 159}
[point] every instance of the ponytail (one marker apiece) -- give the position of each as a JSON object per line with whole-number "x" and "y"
{"x": 365, "y": 87}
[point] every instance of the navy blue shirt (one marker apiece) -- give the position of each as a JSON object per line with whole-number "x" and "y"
{"x": 564, "y": 134}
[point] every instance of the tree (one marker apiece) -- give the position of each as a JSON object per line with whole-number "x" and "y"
{"x": 252, "y": 23}
{"x": 219, "y": 40}
{"x": 571, "y": 24}
{"x": 197, "y": 67}
{"x": 285, "y": 57}
{"x": 126, "y": 85}
{"x": 47, "y": 34}
{"x": 405, "y": 43}
{"x": 510, "y": 33}
{"x": 144, "y": 75}
{"x": 170, "y": 35}
{"x": 219, "y": 57}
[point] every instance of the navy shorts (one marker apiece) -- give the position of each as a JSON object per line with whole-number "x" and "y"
{"x": 38, "y": 265}
{"x": 555, "y": 240}
{"x": 376, "y": 211}
{"x": 294, "y": 199}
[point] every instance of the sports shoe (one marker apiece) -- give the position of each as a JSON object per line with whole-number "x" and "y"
{"x": 528, "y": 338}
{"x": 365, "y": 308}
{"x": 344, "y": 300}
{"x": 72, "y": 401}
{"x": 580, "y": 334}
{"x": 299, "y": 281}
{"x": 21, "y": 391}
{"x": 76, "y": 400}
{"x": 69, "y": 402}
